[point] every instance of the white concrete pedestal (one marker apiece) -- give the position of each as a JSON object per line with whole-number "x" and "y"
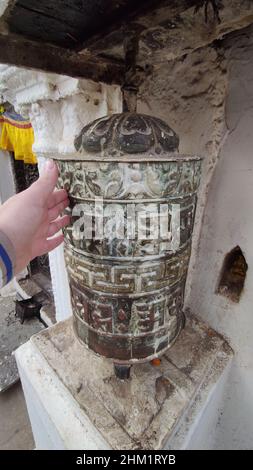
{"x": 75, "y": 401}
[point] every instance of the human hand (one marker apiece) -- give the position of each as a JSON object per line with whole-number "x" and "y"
{"x": 31, "y": 217}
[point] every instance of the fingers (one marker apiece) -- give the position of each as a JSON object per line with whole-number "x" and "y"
{"x": 57, "y": 225}
{"x": 55, "y": 211}
{"x": 56, "y": 197}
{"x": 53, "y": 243}
{"x": 46, "y": 183}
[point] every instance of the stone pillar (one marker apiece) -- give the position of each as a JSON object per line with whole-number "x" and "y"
{"x": 58, "y": 107}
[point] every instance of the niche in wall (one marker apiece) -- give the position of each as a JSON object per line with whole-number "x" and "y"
{"x": 233, "y": 275}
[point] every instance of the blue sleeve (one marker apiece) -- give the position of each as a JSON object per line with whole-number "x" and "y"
{"x": 7, "y": 260}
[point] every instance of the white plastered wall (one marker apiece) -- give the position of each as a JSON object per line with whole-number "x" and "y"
{"x": 228, "y": 222}
{"x": 207, "y": 97}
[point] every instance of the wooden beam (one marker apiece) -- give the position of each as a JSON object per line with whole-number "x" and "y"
{"x": 144, "y": 16}
{"x": 21, "y": 52}
{"x": 173, "y": 29}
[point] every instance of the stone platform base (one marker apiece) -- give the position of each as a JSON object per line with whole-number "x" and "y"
{"x": 75, "y": 401}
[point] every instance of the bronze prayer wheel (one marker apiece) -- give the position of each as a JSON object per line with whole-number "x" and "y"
{"x": 133, "y": 200}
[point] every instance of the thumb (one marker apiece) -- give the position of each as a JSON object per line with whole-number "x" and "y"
{"x": 47, "y": 181}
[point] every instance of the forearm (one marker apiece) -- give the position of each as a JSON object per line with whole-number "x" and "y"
{"x": 7, "y": 260}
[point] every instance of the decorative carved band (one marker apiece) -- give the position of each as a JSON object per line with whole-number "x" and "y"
{"x": 127, "y": 277}
{"x": 130, "y": 181}
{"x": 125, "y": 329}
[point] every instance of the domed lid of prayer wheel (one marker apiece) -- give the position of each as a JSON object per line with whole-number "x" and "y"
{"x": 126, "y": 135}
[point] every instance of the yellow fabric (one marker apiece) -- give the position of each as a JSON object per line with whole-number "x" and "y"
{"x": 18, "y": 138}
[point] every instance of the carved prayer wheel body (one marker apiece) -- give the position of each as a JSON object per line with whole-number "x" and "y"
{"x": 133, "y": 199}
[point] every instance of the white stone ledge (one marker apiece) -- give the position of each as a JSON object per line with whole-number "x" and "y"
{"x": 49, "y": 402}
{"x": 75, "y": 401}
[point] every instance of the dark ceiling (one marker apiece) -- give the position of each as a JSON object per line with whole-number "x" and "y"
{"x": 98, "y": 39}
{"x": 69, "y": 23}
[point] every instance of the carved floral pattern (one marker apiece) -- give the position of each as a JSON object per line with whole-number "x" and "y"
{"x": 116, "y": 180}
